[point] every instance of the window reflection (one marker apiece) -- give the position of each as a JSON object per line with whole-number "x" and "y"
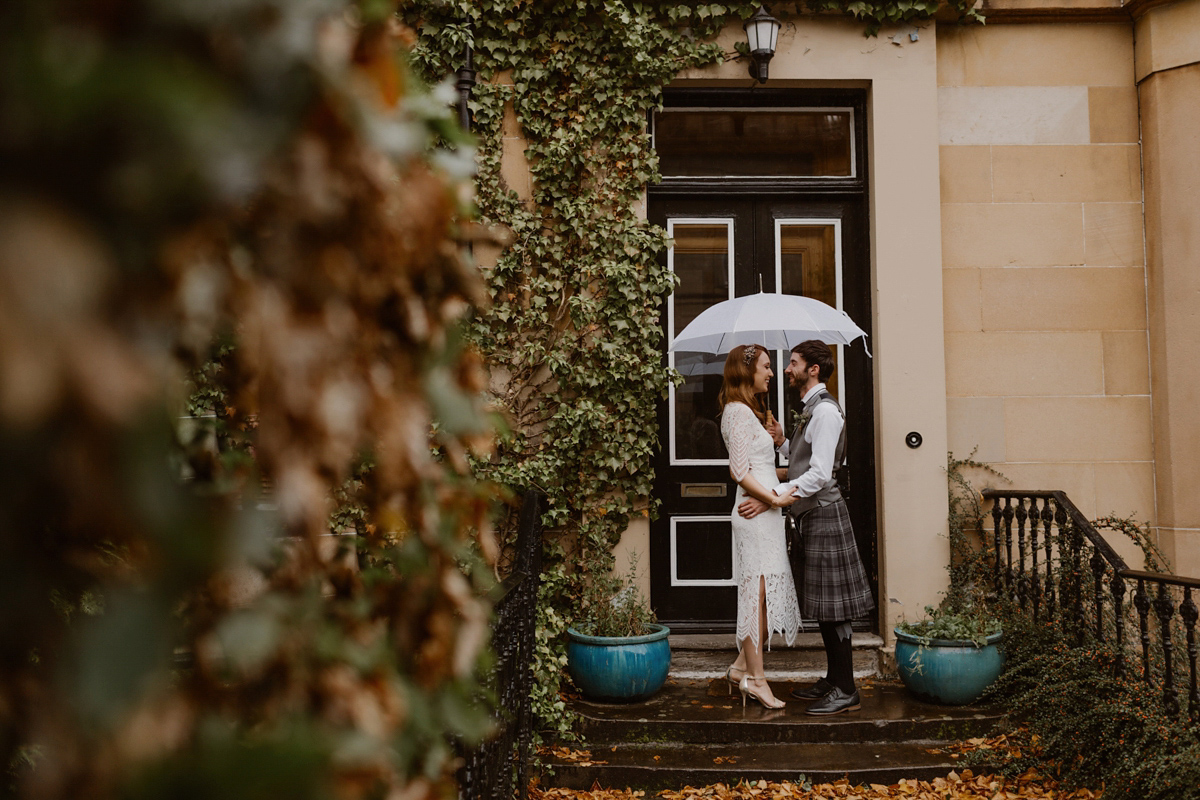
{"x": 701, "y": 260}
{"x": 754, "y": 142}
{"x": 808, "y": 266}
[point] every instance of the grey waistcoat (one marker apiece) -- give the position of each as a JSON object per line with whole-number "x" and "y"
{"x": 800, "y": 456}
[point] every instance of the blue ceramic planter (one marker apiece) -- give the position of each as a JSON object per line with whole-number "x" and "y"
{"x": 948, "y": 671}
{"x": 620, "y": 668}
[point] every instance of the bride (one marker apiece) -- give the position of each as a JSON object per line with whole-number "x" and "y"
{"x": 766, "y": 593}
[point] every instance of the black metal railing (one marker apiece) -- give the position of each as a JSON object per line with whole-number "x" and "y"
{"x": 490, "y": 770}
{"x": 1052, "y": 563}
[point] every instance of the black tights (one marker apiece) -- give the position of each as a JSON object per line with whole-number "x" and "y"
{"x": 839, "y": 655}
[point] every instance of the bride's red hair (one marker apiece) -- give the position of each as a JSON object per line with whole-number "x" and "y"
{"x": 738, "y": 385}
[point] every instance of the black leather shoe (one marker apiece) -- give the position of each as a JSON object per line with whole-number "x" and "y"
{"x": 835, "y": 702}
{"x": 814, "y": 692}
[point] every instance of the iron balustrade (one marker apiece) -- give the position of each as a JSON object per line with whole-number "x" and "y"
{"x": 490, "y": 770}
{"x": 1052, "y": 563}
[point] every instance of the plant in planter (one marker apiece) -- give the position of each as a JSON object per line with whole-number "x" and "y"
{"x": 616, "y": 650}
{"x": 953, "y": 654}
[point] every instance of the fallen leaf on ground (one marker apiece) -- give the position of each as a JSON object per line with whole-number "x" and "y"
{"x": 581, "y": 757}
{"x": 966, "y": 785}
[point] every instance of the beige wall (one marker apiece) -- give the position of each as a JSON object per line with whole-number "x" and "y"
{"x": 1043, "y": 258}
{"x": 1168, "y": 71}
{"x": 634, "y": 549}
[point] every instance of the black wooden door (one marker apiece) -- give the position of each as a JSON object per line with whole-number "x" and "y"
{"x": 726, "y": 247}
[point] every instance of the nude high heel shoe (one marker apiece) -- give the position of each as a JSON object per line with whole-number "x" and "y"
{"x": 731, "y": 681}
{"x": 744, "y": 688}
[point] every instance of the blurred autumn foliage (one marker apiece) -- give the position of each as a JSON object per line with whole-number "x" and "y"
{"x": 247, "y": 194}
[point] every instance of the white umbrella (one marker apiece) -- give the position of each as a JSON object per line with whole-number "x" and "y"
{"x": 699, "y": 363}
{"x": 776, "y": 321}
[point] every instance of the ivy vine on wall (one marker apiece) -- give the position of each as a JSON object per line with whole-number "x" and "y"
{"x": 573, "y": 335}
{"x": 877, "y": 13}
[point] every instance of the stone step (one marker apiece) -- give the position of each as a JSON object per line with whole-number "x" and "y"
{"x": 701, "y": 656}
{"x": 705, "y": 712}
{"x": 694, "y": 732}
{"x": 673, "y": 765}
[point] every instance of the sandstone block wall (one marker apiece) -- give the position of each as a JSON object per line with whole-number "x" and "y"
{"x": 1167, "y": 62}
{"x": 1043, "y": 256}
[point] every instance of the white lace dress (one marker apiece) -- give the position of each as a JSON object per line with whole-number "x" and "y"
{"x": 760, "y": 544}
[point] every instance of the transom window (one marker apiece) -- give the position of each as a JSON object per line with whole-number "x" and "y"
{"x": 755, "y": 142}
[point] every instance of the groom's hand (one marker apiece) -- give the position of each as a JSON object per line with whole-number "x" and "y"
{"x": 751, "y": 507}
{"x": 775, "y": 430}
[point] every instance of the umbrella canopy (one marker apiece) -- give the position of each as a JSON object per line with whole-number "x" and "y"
{"x": 699, "y": 363}
{"x": 776, "y": 321}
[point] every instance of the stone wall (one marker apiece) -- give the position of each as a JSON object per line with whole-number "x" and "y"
{"x": 1167, "y": 60}
{"x": 1043, "y": 260}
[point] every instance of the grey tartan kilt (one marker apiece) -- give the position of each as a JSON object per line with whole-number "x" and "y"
{"x": 835, "y": 584}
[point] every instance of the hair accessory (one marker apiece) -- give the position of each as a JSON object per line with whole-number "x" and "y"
{"x": 749, "y": 353}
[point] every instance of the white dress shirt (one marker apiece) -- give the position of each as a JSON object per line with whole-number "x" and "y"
{"x": 822, "y": 432}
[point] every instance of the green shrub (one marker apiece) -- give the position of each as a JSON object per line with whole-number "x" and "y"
{"x": 1089, "y": 723}
{"x": 615, "y": 607}
{"x": 968, "y": 623}
{"x": 1092, "y": 726}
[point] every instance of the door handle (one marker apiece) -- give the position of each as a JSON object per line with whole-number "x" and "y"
{"x": 703, "y": 489}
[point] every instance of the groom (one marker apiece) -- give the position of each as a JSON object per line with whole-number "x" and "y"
{"x": 835, "y": 588}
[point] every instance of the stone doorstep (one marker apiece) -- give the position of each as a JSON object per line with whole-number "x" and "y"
{"x": 693, "y": 733}
{"x": 652, "y": 767}
{"x": 702, "y": 712}
{"x": 703, "y": 656}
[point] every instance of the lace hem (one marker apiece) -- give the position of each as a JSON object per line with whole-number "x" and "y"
{"x": 783, "y": 610}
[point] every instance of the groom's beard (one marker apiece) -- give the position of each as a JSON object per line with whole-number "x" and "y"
{"x": 796, "y": 390}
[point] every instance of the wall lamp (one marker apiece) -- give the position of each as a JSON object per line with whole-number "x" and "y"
{"x": 762, "y": 34}
{"x": 466, "y": 82}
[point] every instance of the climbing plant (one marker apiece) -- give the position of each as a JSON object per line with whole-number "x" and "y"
{"x": 572, "y": 336}
{"x": 877, "y": 13}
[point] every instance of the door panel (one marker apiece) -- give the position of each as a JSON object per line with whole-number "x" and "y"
{"x": 832, "y": 234}
{"x": 691, "y": 548}
{"x": 733, "y": 247}
{"x": 706, "y": 557}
